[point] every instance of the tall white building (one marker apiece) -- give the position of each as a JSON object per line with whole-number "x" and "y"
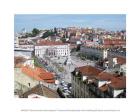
{"x": 52, "y": 49}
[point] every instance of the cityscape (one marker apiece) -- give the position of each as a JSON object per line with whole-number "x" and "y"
{"x": 70, "y": 56}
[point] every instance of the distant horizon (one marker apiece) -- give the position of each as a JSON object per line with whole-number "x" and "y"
{"x": 109, "y": 22}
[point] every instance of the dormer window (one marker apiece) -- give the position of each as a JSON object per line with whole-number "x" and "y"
{"x": 84, "y": 78}
{"x": 76, "y": 73}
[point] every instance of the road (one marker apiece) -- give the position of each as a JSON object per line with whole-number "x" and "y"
{"x": 65, "y": 75}
{"x": 77, "y": 62}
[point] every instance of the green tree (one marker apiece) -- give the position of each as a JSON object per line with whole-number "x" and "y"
{"x": 35, "y": 31}
{"x": 78, "y": 48}
{"x": 55, "y": 30}
{"x": 63, "y": 39}
{"x": 48, "y": 33}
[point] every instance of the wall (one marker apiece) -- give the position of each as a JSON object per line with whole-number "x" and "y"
{"x": 117, "y": 92}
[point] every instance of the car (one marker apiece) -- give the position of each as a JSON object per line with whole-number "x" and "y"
{"x": 70, "y": 88}
{"x": 68, "y": 91}
{"x": 62, "y": 81}
{"x": 66, "y": 94}
{"x": 64, "y": 85}
{"x": 65, "y": 88}
{"x": 46, "y": 66}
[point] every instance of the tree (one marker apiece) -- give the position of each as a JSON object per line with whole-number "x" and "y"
{"x": 35, "y": 31}
{"x": 55, "y": 30}
{"x": 63, "y": 39}
{"x": 48, "y": 33}
{"x": 78, "y": 47}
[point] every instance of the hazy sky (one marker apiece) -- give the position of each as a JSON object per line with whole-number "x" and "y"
{"x": 42, "y": 21}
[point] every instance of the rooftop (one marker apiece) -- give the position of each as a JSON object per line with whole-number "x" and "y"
{"x": 39, "y": 74}
{"x": 43, "y": 91}
{"x": 104, "y": 88}
{"x": 118, "y": 82}
{"x": 18, "y": 61}
{"x": 105, "y": 76}
{"x": 49, "y": 43}
{"x": 121, "y": 60}
{"x": 114, "y": 42}
{"x": 89, "y": 70}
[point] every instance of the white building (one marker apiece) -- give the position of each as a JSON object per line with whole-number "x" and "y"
{"x": 23, "y": 42}
{"x": 52, "y": 49}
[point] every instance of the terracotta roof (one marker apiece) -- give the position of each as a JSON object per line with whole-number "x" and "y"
{"x": 18, "y": 60}
{"x": 104, "y": 88}
{"x": 50, "y": 81}
{"x": 89, "y": 70}
{"x": 46, "y": 76}
{"x": 30, "y": 72}
{"x": 114, "y": 42}
{"x": 43, "y": 91}
{"x": 118, "y": 82}
{"x": 49, "y": 43}
{"x": 121, "y": 60}
{"x": 38, "y": 73}
{"x": 105, "y": 76}
{"x": 19, "y": 65}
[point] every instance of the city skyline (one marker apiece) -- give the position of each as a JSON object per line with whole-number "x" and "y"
{"x": 112, "y": 22}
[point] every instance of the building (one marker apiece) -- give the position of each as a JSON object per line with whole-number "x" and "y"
{"x": 95, "y": 52}
{"x": 102, "y": 52}
{"x": 81, "y": 78}
{"x": 28, "y": 76}
{"x": 118, "y": 64}
{"x": 90, "y": 82}
{"x": 51, "y": 49}
{"x": 40, "y": 91}
{"x": 39, "y": 74}
{"x": 108, "y": 85}
{"x": 113, "y": 42}
{"x": 23, "y": 47}
{"x": 24, "y": 43}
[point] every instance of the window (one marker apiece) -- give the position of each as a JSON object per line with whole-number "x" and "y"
{"x": 72, "y": 77}
{"x": 29, "y": 84}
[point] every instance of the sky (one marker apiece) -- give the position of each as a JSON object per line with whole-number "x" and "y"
{"x": 112, "y": 22}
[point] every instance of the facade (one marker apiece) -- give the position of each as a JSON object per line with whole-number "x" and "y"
{"x": 113, "y": 42}
{"x": 101, "y": 53}
{"x": 22, "y": 82}
{"x": 52, "y": 49}
{"x": 40, "y": 91}
{"x": 28, "y": 76}
{"x": 118, "y": 63}
{"x": 80, "y": 84}
{"x": 23, "y": 43}
{"x": 90, "y": 51}
{"x": 90, "y": 82}
{"x": 23, "y": 48}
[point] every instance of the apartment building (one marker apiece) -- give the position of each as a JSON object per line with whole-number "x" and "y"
{"x": 90, "y": 82}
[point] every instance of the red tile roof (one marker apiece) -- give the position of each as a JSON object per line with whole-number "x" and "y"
{"x": 18, "y": 61}
{"x": 118, "y": 82}
{"x": 105, "y": 76}
{"x": 104, "y": 88}
{"x": 39, "y": 74}
{"x": 121, "y": 60}
{"x": 114, "y": 42}
{"x": 50, "y": 81}
{"x": 89, "y": 70}
{"x": 41, "y": 90}
{"x": 49, "y": 43}
{"x": 46, "y": 76}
